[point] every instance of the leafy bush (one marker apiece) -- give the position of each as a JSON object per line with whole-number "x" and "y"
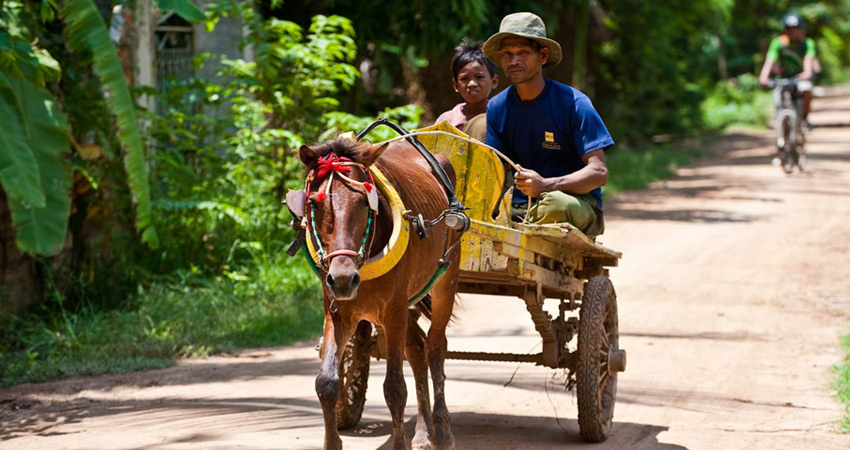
{"x": 226, "y": 149}
{"x": 635, "y": 169}
{"x": 741, "y": 101}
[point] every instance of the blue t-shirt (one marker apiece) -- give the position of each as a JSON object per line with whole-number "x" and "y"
{"x": 548, "y": 134}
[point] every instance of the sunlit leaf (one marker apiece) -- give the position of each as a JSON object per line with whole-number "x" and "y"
{"x": 186, "y": 9}
{"x": 40, "y": 228}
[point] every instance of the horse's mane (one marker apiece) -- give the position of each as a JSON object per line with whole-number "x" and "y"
{"x": 342, "y": 146}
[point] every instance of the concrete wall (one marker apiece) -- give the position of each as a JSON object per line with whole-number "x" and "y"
{"x": 223, "y": 40}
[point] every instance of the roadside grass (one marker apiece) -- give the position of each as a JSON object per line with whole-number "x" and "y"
{"x": 842, "y": 383}
{"x": 166, "y": 321}
{"x": 635, "y": 169}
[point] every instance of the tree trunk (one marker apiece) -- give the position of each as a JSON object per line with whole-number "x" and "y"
{"x": 580, "y": 45}
{"x": 19, "y": 286}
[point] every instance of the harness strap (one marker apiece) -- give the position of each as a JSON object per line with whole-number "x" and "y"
{"x": 341, "y": 252}
{"x": 429, "y": 286}
{"x": 454, "y": 204}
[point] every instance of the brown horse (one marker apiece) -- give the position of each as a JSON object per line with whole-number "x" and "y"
{"x": 350, "y": 231}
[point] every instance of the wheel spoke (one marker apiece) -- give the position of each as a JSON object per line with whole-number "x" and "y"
{"x": 603, "y": 381}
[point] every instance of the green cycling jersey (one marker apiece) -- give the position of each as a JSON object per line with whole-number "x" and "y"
{"x": 789, "y": 57}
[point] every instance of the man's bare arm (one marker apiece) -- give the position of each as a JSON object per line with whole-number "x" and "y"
{"x": 590, "y": 177}
{"x": 764, "y": 76}
{"x": 808, "y": 68}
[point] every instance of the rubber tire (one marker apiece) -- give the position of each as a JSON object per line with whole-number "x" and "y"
{"x": 595, "y": 402}
{"x": 788, "y": 159}
{"x": 354, "y": 377}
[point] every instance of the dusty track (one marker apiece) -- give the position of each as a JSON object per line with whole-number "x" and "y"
{"x": 732, "y": 294}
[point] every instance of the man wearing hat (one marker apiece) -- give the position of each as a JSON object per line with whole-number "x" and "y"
{"x": 550, "y": 129}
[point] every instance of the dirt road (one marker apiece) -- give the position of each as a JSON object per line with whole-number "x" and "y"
{"x": 733, "y": 293}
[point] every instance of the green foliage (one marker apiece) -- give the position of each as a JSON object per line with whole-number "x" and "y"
{"x": 40, "y": 226}
{"x": 87, "y": 34}
{"x": 33, "y": 139}
{"x": 842, "y": 383}
{"x": 831, "y": 50}
{"x": 651, "y": 72}
{"x": 163, "y": 322}
{"x": 227, "y": 147}
{"x": 635, "y": 169}
{"x": 741, "y": 102}
{"x": 186, "y": 9}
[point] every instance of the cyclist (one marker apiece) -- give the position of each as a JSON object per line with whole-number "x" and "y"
{"x": 792, "y": 55}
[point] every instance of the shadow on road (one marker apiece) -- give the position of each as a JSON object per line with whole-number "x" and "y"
{"x": 832, "y": 125}
{"x": 474, "y": 431}
{"x": 183, "y": 375}
{"x": 19, "y": 418}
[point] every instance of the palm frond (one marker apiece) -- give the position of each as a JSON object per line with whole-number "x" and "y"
{"x": 87, "y": 31}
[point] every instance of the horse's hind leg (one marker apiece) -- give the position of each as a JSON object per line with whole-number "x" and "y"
{"x": 395, "y": 389}
{"x": 327, "y": 382}
{"x": 415, "y": 351}
{"x": 442, "y": 302}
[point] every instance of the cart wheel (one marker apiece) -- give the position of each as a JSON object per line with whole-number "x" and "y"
{"x": 599, "y": 359}
{"x": 354, "y": 376}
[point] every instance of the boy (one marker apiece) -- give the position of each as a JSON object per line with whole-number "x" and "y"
{"x": 474, "y": 78}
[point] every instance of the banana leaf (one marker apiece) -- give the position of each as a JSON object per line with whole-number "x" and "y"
{"x": 40, "y": 132}
{"x": 87, "y": 33}
{"x": 183, "y": 8}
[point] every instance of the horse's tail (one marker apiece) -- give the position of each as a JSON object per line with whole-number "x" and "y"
{"x": 424, "y": 306}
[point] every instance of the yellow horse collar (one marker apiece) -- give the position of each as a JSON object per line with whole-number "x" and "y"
{"x": 391, "y": 254}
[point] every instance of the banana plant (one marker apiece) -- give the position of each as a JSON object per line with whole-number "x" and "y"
{"x": 35, "y": 134}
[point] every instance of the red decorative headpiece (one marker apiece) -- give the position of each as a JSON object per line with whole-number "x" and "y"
{"x": 331, "y": 163}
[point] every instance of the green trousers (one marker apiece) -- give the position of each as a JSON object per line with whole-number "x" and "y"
{"x": 558, "y": 207}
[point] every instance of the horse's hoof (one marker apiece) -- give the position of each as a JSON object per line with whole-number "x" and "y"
{"x": 421, "y": 442}
{"x": 443, "y": 442}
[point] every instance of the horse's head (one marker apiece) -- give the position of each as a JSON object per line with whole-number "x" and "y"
{"x": 341, "y": 209}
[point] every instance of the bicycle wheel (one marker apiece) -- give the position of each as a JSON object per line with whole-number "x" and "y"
{"x": 790, "y": 144}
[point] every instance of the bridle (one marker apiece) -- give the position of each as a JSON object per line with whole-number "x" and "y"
{"x": 330, "y": 166}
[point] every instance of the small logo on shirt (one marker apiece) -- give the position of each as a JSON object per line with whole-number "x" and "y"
{"x": 549, "y": 141}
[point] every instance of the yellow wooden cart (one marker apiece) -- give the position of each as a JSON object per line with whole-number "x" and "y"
{"x": 534, "y": 263}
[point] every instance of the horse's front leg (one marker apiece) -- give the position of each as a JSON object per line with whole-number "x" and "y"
{"x": 327, "y": 382}
{"x": 442, "y": 303}
{"x": 415, "y": 351}
{"x": 395, "y": 389}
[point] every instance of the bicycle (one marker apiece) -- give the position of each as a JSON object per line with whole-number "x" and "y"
{"x": 790, "y": 139}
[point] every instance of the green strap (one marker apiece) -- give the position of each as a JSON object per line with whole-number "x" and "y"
{"x": 430, "y": 285}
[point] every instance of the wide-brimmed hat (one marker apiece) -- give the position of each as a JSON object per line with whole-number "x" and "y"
{"x": 525, "y": 25}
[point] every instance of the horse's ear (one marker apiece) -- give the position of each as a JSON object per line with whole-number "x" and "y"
{"x": 373, "y": 153}
{"x": 308, "y": 156}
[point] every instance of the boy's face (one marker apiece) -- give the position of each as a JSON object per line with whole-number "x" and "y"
{"x": 474, "y": 82}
